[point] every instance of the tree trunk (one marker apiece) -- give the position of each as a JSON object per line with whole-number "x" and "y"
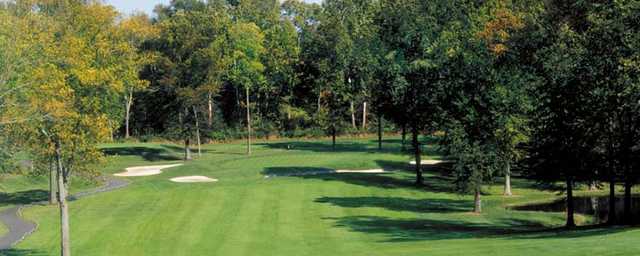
{"x": 507, "y": 180}
{"x": 611, "y": 218}
{"x": 187, "y": 150}
{"x": 319, "y": 102}
{"x": 195, "y": 115}
{"x": 477, "y": 201}
{"x": 65, "y": 242}
{"x": 248, "y": 123}
{"x": 333, "y": 137}
{"x": 111, "y": 128}
{"x": 53, "y": 196}
{"x": 379, "y": 131}
{"x": 593, "y": 186}
{"x": 417, "y": 156}
{"x": 570, "y": 208}
{"x": 364, "y": 116}
{"x": 127, "y": 115}
{"x": 353, "y": 116}
{"x": 210, "y": 109}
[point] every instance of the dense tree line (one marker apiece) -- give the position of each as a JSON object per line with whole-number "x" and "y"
{"x": 548, "y": 88}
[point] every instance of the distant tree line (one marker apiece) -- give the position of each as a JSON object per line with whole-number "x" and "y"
{"x": 549, "y": 88}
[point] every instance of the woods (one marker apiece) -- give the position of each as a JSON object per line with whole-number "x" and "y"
{"x": 546, "y": 90}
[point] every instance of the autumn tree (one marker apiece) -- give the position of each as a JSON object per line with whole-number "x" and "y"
{"x": 501, "y": 32}
{"x": 74, "y": 88}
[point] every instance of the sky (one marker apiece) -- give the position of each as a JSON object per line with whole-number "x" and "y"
{"x": 129, "y": 6}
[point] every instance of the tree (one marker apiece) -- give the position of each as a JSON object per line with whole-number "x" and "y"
{"x": 612, "y": 60}
{"x": 414, "y": 34}
{"x": 511, "y": 102}
{"x": 136, "y": 29}
{"x": 191, "y": 61}
{"x": 561, "y": 145}
{"x": 75, "y": 88}
{"x": 281, "y": 41}
{"x": 471, "y": 126}
{"x": 219, "y": 55}
{"x": 247, "y": 71}
{"x": 352, "y": 21}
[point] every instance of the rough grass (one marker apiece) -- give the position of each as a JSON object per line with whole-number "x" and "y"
{"x": 334, "y": 214}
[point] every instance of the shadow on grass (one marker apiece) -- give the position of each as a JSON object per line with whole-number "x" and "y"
{"x": 400, "y": 177}
{"x": 571, "y": 233}
{"x": 400, "y": 204}
{"x": 523, "y": 182}
{"x": 180, "y": 149}
{"x": 429, "y": 140}
{"x": 24, "y": 197}
{"x": 20, "y": 252}
{"x": 406, "y": 230}
{"x": 148, "y": 154}
{"x": 326, "y": 147}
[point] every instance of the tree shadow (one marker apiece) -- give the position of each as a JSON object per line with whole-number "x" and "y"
{"x": 399, "y": 177}
{"x": 24, "y": 197}
{"x": 571, "y": 233}
{"x": 21, "y": 252}
{"x": 295, "y": 171}
{"x": 400, "y": 204}
{"x": 326, "y": 147}
{"x": 523, "y": 182}
{"x": 423, "y": 139}
{"x": 148, "y": 154}
{"x": 180, "y": 149}
{"x": 406, "y": 230}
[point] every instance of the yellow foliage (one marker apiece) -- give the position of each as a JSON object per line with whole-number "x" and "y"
{"x": 496, "y": 31}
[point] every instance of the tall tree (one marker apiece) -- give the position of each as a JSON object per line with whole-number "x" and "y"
{"x": 75, "y": 88}
{"x": 611, "y": 41}
{"x": 191, "y": 59}
{"x": 413, "y": 32}
{"x": 501, "y": 26}
{"x": 247, "y": 70}
{"x": 561, "y": 145}
{"x": 136, "y": 29}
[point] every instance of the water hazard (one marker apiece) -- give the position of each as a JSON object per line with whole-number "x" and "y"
{"x": 598, "y": 207}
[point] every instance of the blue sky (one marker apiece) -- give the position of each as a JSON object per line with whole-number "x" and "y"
{"x": 129, "y": 6}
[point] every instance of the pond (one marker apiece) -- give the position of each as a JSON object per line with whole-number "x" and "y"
{"x": 598, "y": 207}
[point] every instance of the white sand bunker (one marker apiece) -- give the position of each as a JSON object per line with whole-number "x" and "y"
{"x": 429, "y": 162}
{"x": 144, "y": 170}
{"x": 193, "y": 179}
{"x": 327, "y": 171}
{"x": 360, "y": 171}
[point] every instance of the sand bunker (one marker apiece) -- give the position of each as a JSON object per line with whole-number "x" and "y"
{"x": 360, "y": 171}
{"x": 193, "y": 179}
{"x": 429, "y": 162}
{"x": 144, "y": 170}
{"x": 328, "y": 171}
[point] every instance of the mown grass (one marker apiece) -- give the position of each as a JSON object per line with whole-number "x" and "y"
{"x": 333, "y": 214}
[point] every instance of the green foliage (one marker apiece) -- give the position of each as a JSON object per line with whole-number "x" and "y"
{"x": 247, "y": 42}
